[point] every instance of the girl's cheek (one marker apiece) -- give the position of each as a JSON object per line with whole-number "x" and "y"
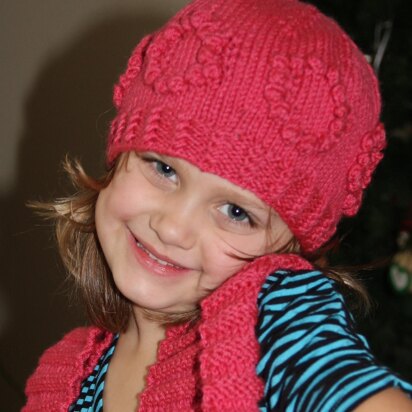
{"x": 118, "y": 202}
{"x": 221, "y": 264}
{"x": 228, "y": 256}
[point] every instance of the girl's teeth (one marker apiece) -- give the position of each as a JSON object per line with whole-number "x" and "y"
{"x": 162, "y": 262}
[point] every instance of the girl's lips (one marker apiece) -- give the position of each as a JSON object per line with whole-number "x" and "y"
{"x": 154, "y": 262}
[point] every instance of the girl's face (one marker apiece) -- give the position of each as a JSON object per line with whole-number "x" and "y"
{"x": 172, "y": 233}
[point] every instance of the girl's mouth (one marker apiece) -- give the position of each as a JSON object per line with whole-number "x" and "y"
{"x": 155, "y": 258}
{"x": 153, "y": 262}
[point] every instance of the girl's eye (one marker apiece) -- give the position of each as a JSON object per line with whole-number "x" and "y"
{"x": 235, "y": 213}
{"x": 165, "y": 170}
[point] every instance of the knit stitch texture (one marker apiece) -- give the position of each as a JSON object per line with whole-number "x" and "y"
{"x": 209, "y": 366}
{"x": 268, "y": 94}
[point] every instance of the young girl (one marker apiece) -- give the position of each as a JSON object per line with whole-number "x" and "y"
{"x": 245, "y": 130}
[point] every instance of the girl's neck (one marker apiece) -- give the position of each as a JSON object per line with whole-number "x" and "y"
{"x": 143, "y": 334}
{"x": 136, "y": 351}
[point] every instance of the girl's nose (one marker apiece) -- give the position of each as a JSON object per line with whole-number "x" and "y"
{"x": 175, "y": 224}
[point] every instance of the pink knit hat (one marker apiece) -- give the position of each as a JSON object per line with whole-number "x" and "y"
{"x": 268, "y": 94}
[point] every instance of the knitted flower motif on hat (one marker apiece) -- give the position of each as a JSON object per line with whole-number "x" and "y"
{"x": 360, "y": 173}
{"x": 290, "y": 81}
{"x": 199, "y": 30}
{"x": 134, "y": 67}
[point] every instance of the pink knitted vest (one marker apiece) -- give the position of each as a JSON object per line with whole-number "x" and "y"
{"x": 209, "y": 366}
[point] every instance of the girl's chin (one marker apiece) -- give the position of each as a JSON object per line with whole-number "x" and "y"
{"x": 155, "y": 302}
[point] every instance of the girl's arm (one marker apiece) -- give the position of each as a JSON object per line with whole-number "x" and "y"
{"x": 389, "y": 400}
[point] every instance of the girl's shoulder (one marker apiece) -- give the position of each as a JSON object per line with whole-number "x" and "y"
{"x": 298, "y": 282}
{"x": 304, "y": 293}
{"x": 79, "y": 345}
{"x": 63, "y": 366}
